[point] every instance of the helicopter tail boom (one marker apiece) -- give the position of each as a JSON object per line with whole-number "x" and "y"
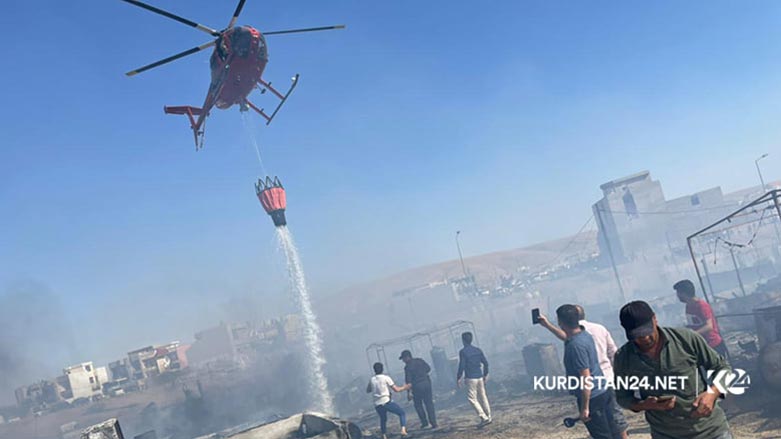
{"x": 195, "y": 124}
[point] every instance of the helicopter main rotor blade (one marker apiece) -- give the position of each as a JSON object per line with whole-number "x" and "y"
{"x": 236, "y": 13}
{"x": 310, "y": 29}
{"x": 200, "y": 27}
{"x": 172, "y": 58}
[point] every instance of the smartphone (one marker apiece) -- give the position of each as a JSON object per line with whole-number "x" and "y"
{"x": 535, "y": 316}
{"x": 664, "y": 398}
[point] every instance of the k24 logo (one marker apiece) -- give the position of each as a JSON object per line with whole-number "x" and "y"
{"x": 735, "y": 382}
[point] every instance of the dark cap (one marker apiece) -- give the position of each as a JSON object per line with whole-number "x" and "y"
{"x": 637, "y": 319}
{"x": 405, "y": 354}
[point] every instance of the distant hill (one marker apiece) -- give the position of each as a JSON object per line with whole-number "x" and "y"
{"x": 487, "y": 267}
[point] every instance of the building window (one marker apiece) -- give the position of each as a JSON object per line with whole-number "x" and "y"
{"x": 695, "y": 200}
{"x": 88, "y": 368}
{"x": 92, "y": 380}
{"x": 629, "y": 204}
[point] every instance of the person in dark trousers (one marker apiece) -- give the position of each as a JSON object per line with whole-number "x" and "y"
{"x": 380, "y": 387}
{"x": 416, "y": 372}
{"x": 699, "y": 316}
{"x": 596, "y": 402}
{"x": 687, "y": 412}
{"x": 606, "y": 350}
{"x": 474, "y": 367}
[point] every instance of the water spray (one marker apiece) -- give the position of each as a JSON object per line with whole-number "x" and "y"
{"x": 272, "y": 197}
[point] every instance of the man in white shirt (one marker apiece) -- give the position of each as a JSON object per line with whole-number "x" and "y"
{"x": 606, "y": 350}
{"x": 380, "y": 387}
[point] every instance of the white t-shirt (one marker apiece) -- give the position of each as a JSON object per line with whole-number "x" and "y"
{"x": 381, "y": 388}
{"x": 606, "y": 347}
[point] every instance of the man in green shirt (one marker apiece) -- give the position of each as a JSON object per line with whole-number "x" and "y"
{"x": 684, "y": 407}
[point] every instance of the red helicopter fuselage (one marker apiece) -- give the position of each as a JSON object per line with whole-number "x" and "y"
{"x": 237, "y": 65}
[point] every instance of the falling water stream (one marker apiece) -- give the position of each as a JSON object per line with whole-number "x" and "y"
{"x": 250, "y": 129}
{"x": 318, "y": 385}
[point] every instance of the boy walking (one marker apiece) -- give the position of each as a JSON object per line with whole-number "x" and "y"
{"x": 380, "y": 386}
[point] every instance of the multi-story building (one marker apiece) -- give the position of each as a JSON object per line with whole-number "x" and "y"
{"x": 42, "y": 393}
{"x": 634, "y": 215}
{"x": 151, "y": 361}
{"x": 82, "y": 380}
{"x": 238, "y": 343}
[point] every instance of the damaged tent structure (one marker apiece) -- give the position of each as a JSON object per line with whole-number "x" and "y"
{"x": 300, "y": 426}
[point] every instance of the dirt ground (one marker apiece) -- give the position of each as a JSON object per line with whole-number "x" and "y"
{"x": 541, "y": 416}
{"x": 125, "y": 407}
{"x": 517, "y": 415}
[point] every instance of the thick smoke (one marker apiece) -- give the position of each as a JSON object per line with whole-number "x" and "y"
{"x": 214, "y": 400}
{"x": 36, "y": 339}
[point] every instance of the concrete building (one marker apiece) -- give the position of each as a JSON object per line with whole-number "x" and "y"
{"x": 213, "y": 344}
{"x": 151, "y": 361}
{"x": 119, "y": 370}
{"x": 83, "y": 381}
{"x": 634, "y": 215}
{"x": 239, "y": 343}
{"x": 41, "y": 394}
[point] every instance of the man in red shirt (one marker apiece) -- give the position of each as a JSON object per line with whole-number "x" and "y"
{"x": 699, "y": 316}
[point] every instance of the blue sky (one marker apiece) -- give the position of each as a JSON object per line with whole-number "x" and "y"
{"x": 500, "y": 119}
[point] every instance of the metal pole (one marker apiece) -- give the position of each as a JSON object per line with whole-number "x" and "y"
{"x": 737, "y": 271}
{"x": 759, "y": 171}
{"x": 707, "y": 276}
{"x": 775, "y": 202}
{"x": 672, "y": 253}
{"x": 774, "y": 193}
{"x": 460, "y": 255}
{"x": 697, "y": 269}
{"x": 762, "y": 180}
{"x": 610, "y": 253}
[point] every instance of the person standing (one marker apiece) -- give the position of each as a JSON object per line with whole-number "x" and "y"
{"x": 606, "y": 346}
{"x": 606, "y": 350}
{"x": 689, "y": 411}
{"x": 699, "y": 316}
{"x": 596, "y": 401}
{"x": 416, "y": 375}
{"x": 380, "y": 386}
{"x": 474, "y": 367}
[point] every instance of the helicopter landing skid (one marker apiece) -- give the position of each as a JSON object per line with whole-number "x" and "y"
{"x": 282, "y": 98}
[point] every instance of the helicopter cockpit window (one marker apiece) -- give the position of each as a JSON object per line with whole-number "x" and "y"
{"x": 241, "y": 42}
{"x": 262, "y": 53}
{"x": 222, "y": 49}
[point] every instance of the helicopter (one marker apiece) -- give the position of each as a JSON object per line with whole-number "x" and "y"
{"x": 237, "y": 63}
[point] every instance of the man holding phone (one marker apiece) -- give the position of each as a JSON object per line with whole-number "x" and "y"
{"x": 606, "y": 349}
{"x": 689, "y": 411}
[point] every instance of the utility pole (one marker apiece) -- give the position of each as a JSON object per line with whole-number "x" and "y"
{"x": 610, "y": 252}
{"x": 759, "y": 171}
{"x": 460, "y": 255}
